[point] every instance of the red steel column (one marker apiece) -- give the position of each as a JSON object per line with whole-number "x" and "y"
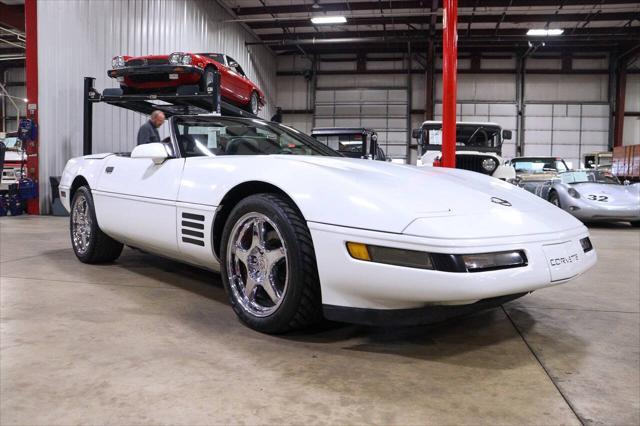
{"x": 449, "y": 84}
{"x": 31, "y": 32}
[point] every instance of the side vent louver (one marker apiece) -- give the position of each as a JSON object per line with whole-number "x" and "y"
{"x": 193, "y": 229}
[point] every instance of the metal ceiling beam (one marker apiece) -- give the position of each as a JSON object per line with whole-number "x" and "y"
{"x": 515, "y": 18}
{"x": 406, "y": 4}
{"x": 506, "y": 34}
{"x": 346, "y": 48}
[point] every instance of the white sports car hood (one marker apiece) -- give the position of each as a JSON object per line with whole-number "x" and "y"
{"x": 420, "y": 201}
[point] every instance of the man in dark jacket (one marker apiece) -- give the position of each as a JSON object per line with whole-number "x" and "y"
{"x": 148, "y": 132}
{"x": 277, "y": 118}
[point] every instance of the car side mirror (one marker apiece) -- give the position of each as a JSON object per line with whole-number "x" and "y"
{"x": 158, "y": 152}
{"x": 415, "y": 133}
{"x": 506, "y": 135}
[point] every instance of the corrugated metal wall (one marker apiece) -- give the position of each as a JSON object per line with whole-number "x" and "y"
{"x": 78, "y": 38}
{"x": 565, "y": 115}
{"x": 631, "y": 133}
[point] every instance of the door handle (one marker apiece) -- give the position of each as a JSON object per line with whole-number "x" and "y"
{"x": 109, "y": 169}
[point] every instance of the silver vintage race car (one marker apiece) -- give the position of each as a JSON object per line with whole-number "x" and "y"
{"x": 593, "y": 195}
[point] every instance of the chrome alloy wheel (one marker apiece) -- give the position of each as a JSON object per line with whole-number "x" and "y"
{"x": 81, "y": 224}
{"x": 209, "y": 81}
{"x": 254, "y": 103}
{"x": 257, "y": 265}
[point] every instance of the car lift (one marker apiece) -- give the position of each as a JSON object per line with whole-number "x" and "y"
{"x": 186, "y": 101}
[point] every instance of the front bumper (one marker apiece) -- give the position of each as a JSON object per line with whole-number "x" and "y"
{"x": 586, "y": 211}
{"x": 402, "y": 317}
{"x": 148, "y": 74}
{"x": 350, "y": 283}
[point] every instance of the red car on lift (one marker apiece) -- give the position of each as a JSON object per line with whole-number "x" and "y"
{"x": 162, "y": 72}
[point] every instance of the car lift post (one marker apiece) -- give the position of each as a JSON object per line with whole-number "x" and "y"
{"x": 449, "y": 84}
{"x": 87, "y": 118}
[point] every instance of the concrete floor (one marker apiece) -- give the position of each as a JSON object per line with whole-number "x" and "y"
{"x": 148, "y": 340}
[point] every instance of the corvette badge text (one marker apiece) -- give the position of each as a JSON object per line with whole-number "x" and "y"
{"x": 559, "y": 261}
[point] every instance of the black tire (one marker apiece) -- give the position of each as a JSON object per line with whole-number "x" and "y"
{"x": 554, "y": 199}
{"x": 301, "y": 304}
{"x": 635, "y": 224}
{"x": 99, "y": 247}
{"x": 254, "y": 100}
{"x": 208, "y": 77}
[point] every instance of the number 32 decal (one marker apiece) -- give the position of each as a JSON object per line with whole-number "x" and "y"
{"x": 602, "y": 198}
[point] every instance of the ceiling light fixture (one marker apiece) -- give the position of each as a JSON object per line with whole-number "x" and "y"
{"x": 323, "y": 20}
{"x": 544, "y": 33}
{"x": 316, "y": 5}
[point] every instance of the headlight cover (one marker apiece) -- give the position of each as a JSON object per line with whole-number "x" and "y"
{"x": 491, "y": 261}
{"x": 489, "y": 164}
{"x": 573, "y": 193}
{"x": 186, "y": 60}
{"x": 175, "y": 58}
{"x": 479, "y": 262}
{"x": 390, "y": 256}
{"x": 117, "y": 62}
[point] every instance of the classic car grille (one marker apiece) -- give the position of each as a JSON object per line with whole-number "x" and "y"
{"x": 471, "y": 162}
{"x": 139, "y": 62}
{"x": 143, "y": 78}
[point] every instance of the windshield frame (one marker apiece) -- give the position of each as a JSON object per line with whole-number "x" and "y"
{"x": 489, "y": 127}
{"x": 306, "y": 140}
{"x": 534, "y": 160}
{"x": 592, "y": 171}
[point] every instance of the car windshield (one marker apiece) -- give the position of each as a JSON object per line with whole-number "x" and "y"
{"x": 347, "y": 144}
{"x": 208, "y": 136}
{"x": 12, "y": 142}
{"x": 584, "y": 176}
{"x": 467, "y": 135}
{"x": 538, "y": 165}
{"x": 218, "y": 57}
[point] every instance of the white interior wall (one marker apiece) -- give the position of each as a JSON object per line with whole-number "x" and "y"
{"x": 78, "y": 38}
{"x": 631, "y": 131}
{"x": 565, "y": 115}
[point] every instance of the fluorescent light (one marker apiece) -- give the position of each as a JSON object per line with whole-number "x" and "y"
{"x": 544, "y": 33}
{"x": 320, "y": 20}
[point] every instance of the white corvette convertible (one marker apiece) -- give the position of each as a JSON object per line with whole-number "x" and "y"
{"x": 300, "y": 232}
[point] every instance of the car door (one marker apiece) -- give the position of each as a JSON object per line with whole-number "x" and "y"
{"x": 239, "y": 82}
{"x": 226, "y": 78}
{"x": 136, "y": 202}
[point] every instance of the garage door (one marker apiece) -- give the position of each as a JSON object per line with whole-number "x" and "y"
{"x": 381, "y": 109}
{"x": 566, "y": 130}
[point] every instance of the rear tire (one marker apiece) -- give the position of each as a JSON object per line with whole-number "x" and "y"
{"x": 89, "y": 243}
{"x": 269, "y": 266}
{"x": 254, "y": 104}
{"x": 554, "y": 199}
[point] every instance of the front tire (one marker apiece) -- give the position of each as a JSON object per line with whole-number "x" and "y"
{"x": 89, "y": 243}
{"x": 269, "y": 266}
{"x": 207, "y": 79}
